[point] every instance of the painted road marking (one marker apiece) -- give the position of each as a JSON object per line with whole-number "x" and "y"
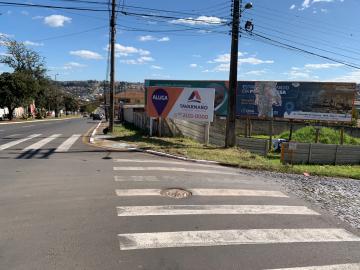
{"x": 166, "y": 162}
{"x": 171, "y": 169}
{"x": 65, "y": 146}
{"x": 152, "y": 178}
{"x": 13, "y": 143}
{"x": 231, "y": 237}
{"x": 173, "y": 210}
{"x": 350, "y": 266}
{"x": 13, "y": 135}
{"x": 133, "y": 178}
{"x": 28, "y": 126}
{"x": 204, "y": 192}
{"x": 41, "y": 143}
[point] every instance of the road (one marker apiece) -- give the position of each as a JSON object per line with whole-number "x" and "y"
{"x": 67, "y": 205}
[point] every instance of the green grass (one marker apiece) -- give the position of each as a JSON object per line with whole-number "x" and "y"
{"x": 232, "y": 156}
{"x": 326, "y": 136}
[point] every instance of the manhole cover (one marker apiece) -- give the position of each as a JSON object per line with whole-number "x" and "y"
{"x": 176, "y": 193}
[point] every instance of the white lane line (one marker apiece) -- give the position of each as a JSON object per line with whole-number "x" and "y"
{"x": 204, "y": 192}
{"x": 28, "y": 126}
{"x": 231, "y": 237}
{"x": 65, "y": 146}
{"x": 174, "y": 210}
{"x": 41, "y": 143}
{"x": 123, "y": 160}
{"x": 349, "y": 266}
{"x": 133, "y": 178}
{"x": 171, "y": 169}
{"x": 13, "y": 143}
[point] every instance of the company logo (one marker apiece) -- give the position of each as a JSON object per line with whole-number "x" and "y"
{"x": 160, "y": 99}
{"x": 195, "y": 97}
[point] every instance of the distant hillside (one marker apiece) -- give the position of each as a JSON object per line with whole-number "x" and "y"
{"x": 91, "y": 89}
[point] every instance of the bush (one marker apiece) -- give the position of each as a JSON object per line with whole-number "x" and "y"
{"x": 326, "y": 136}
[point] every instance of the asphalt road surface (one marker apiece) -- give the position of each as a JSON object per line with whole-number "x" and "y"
{"x": 67, "y": 205}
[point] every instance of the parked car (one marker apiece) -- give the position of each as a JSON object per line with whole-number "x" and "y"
{"x": 85, "y": 115}
{"x": 96, "y": 116}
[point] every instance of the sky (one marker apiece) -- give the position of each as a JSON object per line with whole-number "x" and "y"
{"x": 193, "y": 41}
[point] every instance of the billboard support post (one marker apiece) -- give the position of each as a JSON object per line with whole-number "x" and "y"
{"x": 291, "y": 130}
{"x": 271, "y": 127}
{"x": 207, "y": 133}
{"x": 342, "y": 135}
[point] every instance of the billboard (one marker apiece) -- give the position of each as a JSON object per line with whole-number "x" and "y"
{"x": 296, "y": 100}
{"x": 319, "y": 101}
{"x": 188, "y": 103}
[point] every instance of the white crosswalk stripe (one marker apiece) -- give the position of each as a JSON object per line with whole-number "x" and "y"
{"x": 13, "y": 143}
{"x": 66, "y": 145}
{"x": 167, "y": 162}
{"x": 232, "y": 237}
{"x": 349, "y": 266}
{"x": 204, "y": 192}
{"x": 173, "y": 169}
{"x": 173, "y": 210}
{"x": 41, "y": 143}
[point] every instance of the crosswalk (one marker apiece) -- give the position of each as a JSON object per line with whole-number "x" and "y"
{"x": 140, "y": 184}
{"x": 37, "y": 142}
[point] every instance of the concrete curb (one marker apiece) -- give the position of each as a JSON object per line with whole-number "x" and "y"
{"x": 92, "y": 137}
{"x": 153, "y": 152}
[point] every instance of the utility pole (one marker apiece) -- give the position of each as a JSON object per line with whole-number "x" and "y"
{"x": 230, "y": 139}
{"x": 112, "y": 65}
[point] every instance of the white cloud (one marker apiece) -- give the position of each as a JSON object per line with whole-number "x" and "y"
{"x": 146, "y": 38}
{"x": 164, "y": 39}
{"x": 353, "y": 76}
{"x": 256, "y": 72}
{"x": 196, "y": 55}
{"x": 201, "y": 20}
{"x": 323, "y": 66}
{"x": 156, "y": 67}
{"x": 223, "y": 61}
{"x": 25, "y": 13}
{"x": 193, "y": 65}
{"x": 160, "y": 76}
{"x": 86, "y": 54}
{"x": 72, "y": 65}
{"x": 31, "y": 43}
{"x": 307, "y": 3}
{"x": 56, "y": 20}
{"x": 121, "y": 50}
{"x": 139, "y": 61}
{"x": 292, "y": 6}
{"x": 152, "y": 38}
{"x": 254, "y": 61}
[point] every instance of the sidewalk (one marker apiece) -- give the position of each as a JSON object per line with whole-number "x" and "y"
{"x": 99, "y": 139}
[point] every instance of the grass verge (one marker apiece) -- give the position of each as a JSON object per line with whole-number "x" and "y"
{"x": 190, "y": 148}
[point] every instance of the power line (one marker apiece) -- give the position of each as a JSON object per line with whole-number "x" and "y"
{"x": 285, "y": 45}
{"x": 72, "y": 34}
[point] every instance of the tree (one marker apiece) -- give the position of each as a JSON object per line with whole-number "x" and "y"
{"x": 28, "y": 77}
{"x": 15, "y": 90}
{"x": 20, "y": 58}
{"x": 70, "y": 104}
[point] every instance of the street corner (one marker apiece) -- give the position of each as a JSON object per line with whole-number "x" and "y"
{"x": 99, "y": 139}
